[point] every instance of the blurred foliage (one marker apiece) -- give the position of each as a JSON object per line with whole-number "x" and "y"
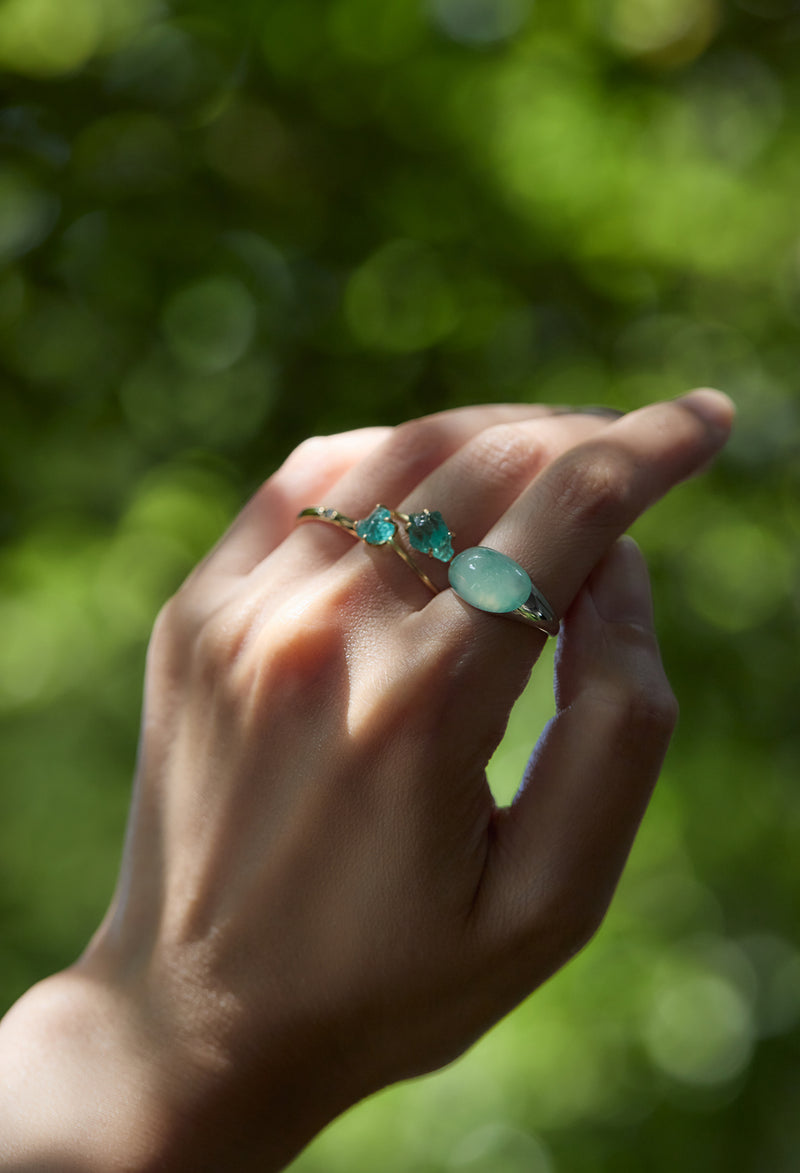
{"x": 223, "y": 227}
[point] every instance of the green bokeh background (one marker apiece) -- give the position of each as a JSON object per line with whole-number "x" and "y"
{"x": 226, "y": 226}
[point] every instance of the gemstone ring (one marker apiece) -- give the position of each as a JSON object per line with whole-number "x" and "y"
{"x": 426, "y": 532}
{"x": 492, "y": 581}
{"x": 482, "y": 577}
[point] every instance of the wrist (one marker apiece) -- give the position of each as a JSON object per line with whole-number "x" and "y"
{"x": 81, "y": 1086}
{"x": 92, "y": 1083}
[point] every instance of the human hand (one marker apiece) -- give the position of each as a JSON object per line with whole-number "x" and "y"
{"x": 318, "y": 895}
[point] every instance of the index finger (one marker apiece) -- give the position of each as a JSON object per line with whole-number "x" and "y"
{"x": 576, "y": 508}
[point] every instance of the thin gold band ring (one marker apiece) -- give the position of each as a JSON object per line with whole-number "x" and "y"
{"x": 379, "y": 529}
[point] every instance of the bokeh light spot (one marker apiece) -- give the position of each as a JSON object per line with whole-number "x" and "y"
{"x": 27, "y": 653}
{"x": 400, "y": 299}
{"x": 737, "y": 575}
{"x": 583, "y": 1090}
{"x": 480, "y": 22}
{"x": 184, "y": 503}
{"x": 128, "y": 154}
{"x": 545, "y": 130}
{"x": 292, "y": 36}
{"x": 249, "y": 144}
{"x": 499, "y": 1146}
{"x": 269, "y": 270}
{"x": 210, "y": 324}
{"x": 13, "y": 297}
{"x": 671, "y": 32}
{"x": 159, "y": 64}
{"x": 123, "y": 20}
{"x": 737, "y": 106}
{"x": 27, "y": 214}
{"x": 378, "y": 33}
{"x": 700, "y": 1028}
{"x": 167, "y": 404}
{"x": 45, "y": 37}
{"x": 50, "y": 641}
{"x": 60, "y": 339}
{"x": 776, "y": 963}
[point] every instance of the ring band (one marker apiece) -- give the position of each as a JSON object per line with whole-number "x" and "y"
{"x": 482, "y": 577}
{"x": 427, "y": 532}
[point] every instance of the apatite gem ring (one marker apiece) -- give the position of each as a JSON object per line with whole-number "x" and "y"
{"x": 482, "y": 577}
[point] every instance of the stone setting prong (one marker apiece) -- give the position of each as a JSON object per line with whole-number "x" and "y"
{"x": 378, "y": 529}
{"x": 428, "y": 532}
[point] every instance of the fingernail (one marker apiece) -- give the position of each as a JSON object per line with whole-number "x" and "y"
{"x": 612, "y": 413}
{"x": 620, "y": 586}
{"x": 713, "y": 407}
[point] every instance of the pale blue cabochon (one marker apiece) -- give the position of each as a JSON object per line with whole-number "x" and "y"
{"x": 489, "y": 580}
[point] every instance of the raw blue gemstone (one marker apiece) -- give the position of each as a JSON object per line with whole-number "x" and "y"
{"x": 489, "y": 580}
{"x": 378, "y": 528}
{"x": 428, "y": 533}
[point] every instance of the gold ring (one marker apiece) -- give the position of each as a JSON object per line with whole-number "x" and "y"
{"x": 426, "y": 531}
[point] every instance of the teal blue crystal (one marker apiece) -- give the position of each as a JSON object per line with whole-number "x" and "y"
{"x": 428, "y": 533}
{"x": 378, "y": 528}
{"x": 489, "y": 580}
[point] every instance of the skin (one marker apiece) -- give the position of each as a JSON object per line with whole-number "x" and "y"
{"x": 318, "y": 896}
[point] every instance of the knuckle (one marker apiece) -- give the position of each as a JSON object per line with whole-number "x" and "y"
{"x": 219, "y": 641}
{"x": 165, "y": 621}
{"x": 638, "y": 713}
{"x": 419, "y": 445}
{"x": 312, "y": 453}
{"x": 163, "y": 650}
{"x": 581, "y": 923}
{"x": 651, "y": 710}
{"x": 564, "y": 923}
{"x": 597, "y": 491}
{"x": 659, "y": 709}
{"x": 175, "y": 627}
{"x": 310, "y": 449}
{"x": 574, "y": 922}
{"x": 573, "y": 911}
{"x": 315, "y": 453}
{"x": 506, "y": 455}
{"x": 292, "y": 659}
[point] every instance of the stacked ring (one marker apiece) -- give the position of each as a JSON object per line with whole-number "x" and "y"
{"x": 426, "y": 532}
{"x": 482, "y": 577}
